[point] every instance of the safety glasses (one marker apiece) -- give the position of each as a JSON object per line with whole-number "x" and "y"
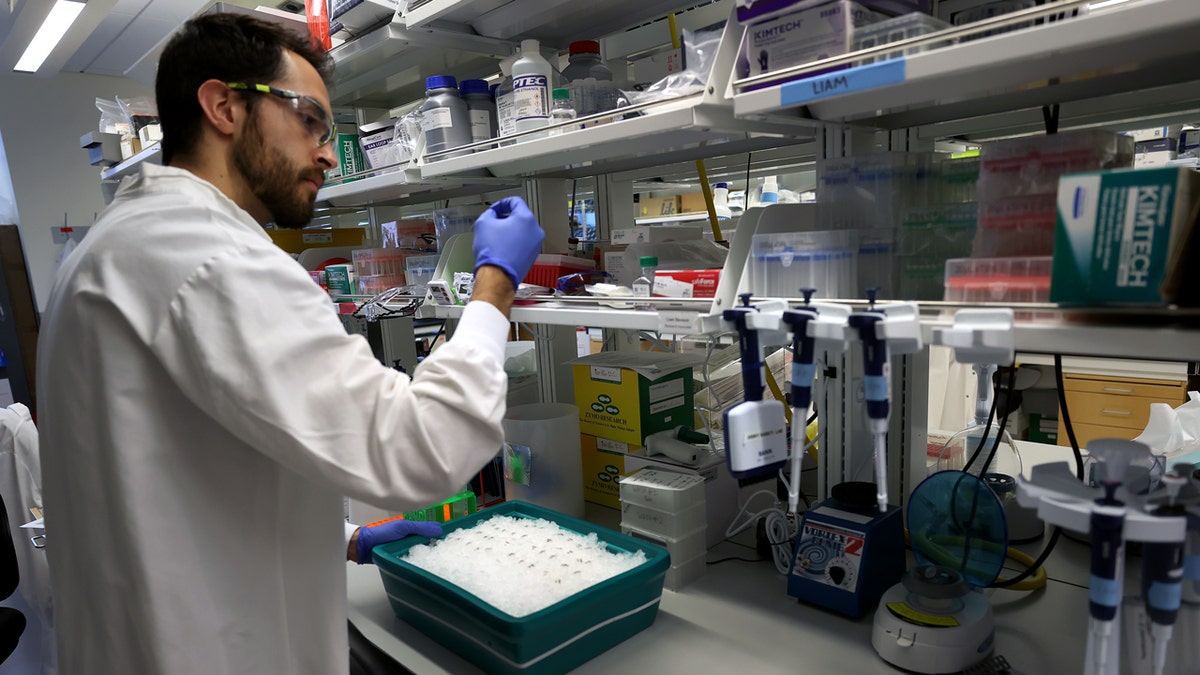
{"x": 315, "y": 118}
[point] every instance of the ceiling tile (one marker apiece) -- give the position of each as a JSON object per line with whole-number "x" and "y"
{"x": 142, "y": 34}
{"x": 97, "y": 42}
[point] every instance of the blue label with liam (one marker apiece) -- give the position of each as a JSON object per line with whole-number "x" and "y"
{"x": 842, "y": 82}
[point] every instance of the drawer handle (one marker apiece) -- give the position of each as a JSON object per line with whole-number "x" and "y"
{"x": 1118, "y": 390}
{"x": 1115, "y": 412}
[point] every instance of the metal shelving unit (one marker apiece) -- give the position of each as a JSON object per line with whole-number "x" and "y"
{"x": 403, "y": 187}
{"x": 148, "y": 155}
{"x": 1080, "y": 63}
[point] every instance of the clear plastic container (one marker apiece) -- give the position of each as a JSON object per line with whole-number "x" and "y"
{"x": 911, "y": 25}
{"x": 1033, "y": 165}
{"x": 561, "y": 111}
{"x": 876, "y": 262}
{"x": 418, "y": 269}
{"x": 928, "y": 237}
{"x": 377, "y": 283}
{"x": 783, "y": 263}
{"x": 662, "y": 490}
{"x": 550, "y": 266}
{"x": 869, "y": 191}
{"x": 1005, "y": 280}
{"x": 379, "y": 262}
{"x": 685, "y": 573}
{"x": 665, "y": 523}
{"x": 1018, "y": 226}
{"x": 684, "y": 547}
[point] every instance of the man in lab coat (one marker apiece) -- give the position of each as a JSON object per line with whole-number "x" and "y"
{"x": 203, "y": 411}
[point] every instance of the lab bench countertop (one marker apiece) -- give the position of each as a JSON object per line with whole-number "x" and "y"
{"x": 738, "y": 617}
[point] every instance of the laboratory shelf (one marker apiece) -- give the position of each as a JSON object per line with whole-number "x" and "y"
{"x": 405, "y": 187}
{"x": 688, "y": 128}
{"x": 151, "y": 154}
{"x": 556, "y": 23}
{"x": 560, "y": 314}
{"x": 387, "y": 66}
{"x": 677, "y": 218}
{"x": 1078, "y": 62}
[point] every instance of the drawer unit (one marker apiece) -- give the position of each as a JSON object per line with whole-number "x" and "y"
{"x": 1108, "y": 407}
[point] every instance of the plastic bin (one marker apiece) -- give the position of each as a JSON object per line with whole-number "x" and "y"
{"x": 418, "y": 269}
{"x": 665, "y": 523}
{"x": 685, "y": 573}
{"x": 549, "y": 267}
{"x": 783, "y": 263}
{"x": 553, "y": 640}
{"x": 662, "y": 490}
{"x": 684, "y": 547}
{"x": 1007, "y": 280}
{"x": 911, "y": 25}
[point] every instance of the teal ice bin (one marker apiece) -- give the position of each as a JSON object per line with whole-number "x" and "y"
{"x": 553, "y": 640}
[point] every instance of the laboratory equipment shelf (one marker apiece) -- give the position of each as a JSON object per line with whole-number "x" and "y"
{"x": 389, "y": 64}
{"x": 688, "y": 128}
{"x": 151, "y": 154}
{"x": 556, "y": 23}
{"x": 404, "y": 187}
{"x": 1078, "y": 62}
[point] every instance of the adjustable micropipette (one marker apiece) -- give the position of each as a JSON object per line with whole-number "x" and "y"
{"x": 1107, "y": 524}
{"x": 804, "y": 370}
{"x": 755, "y": 430}
{"x": 1162, "y": 575}
{"x": 875, "y": 385}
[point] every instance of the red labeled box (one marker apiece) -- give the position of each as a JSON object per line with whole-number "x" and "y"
{"x": 686, "y": 283}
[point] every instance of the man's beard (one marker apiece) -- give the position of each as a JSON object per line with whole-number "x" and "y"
{"x": 273, "y": 179}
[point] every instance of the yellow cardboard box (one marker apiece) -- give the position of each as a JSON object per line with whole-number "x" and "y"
{"x": 649, "y": 207}
{"x": 693, "y": 202}
{"x": 603, "y": 464}
{"x": 296, "y": 241}
{"x": 626, "y": 396}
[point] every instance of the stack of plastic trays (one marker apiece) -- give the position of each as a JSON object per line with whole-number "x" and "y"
{"x": 871, "y": 191}
{"x": 418, "y": 269}
{"x": 668, "y": 509}
{"x": 911, "y": 25}
{"x": 1002, "y": 280}
{"x": 956, "y": 180}
{"x": 783, "y": 263}
{"x": 378, "y": 269}
{"x": 1018, "y": 184}
{"x": 876, "y": 262}
{"x": 928, "y": 237}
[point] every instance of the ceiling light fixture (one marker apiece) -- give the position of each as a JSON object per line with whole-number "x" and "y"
{"x": 61, "y": 16}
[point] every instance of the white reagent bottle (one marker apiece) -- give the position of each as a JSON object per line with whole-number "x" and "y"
{"x": 532, "y": 76}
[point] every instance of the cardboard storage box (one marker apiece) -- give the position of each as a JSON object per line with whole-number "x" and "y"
{"x": 657, "y": 206}
{"x": 1120, "y": 235}
{"x": 625, "y": 396}
{"x": 296, "y": 241}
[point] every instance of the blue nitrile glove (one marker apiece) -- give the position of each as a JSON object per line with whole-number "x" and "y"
{"x": 508, "y": 236}
{"x": 370, "y": 536}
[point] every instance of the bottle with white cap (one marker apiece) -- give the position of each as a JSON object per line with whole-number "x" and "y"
{"x": 770, "y": 191}
{"x": 721, "y": 201}
{"x": 532, "y": 77}
{"x": 506, "y": 118}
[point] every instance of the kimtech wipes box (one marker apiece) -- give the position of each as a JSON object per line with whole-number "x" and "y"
{"x": 1120, "y": 234}
{"x": 625, "y": 396}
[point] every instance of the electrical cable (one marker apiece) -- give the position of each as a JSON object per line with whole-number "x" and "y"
{"x": 778, "y": 529}
{"x": 1057, "y": 531}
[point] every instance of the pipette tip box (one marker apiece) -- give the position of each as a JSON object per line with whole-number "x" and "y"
{"x": 553, "y": 640}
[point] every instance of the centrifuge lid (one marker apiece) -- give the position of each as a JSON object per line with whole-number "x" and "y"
{"x": 956, "y": 521}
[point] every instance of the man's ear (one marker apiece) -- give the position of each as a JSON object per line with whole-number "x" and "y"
{"x": 221, "y": 106}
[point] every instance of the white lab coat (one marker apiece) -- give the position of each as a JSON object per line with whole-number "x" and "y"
{"x": 202, "y": 413}
{"x": 21, "y": 485}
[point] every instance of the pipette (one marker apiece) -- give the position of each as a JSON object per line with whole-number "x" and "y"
{"x": 1162, "y": 575}
{"x": 755, "y": 430}
{"x": 804, "y": 370}
{"x": 875, "y": 385}
{"x": 1107, "y": 525}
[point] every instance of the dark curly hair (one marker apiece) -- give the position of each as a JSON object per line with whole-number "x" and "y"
{"x": 226, "y": 47}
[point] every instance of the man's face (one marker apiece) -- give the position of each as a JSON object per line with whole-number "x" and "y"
{"x": 277, "y": 154}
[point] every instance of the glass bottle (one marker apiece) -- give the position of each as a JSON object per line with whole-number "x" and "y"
{"x": 561, "y": 111}
{"x": 643, "y": 286}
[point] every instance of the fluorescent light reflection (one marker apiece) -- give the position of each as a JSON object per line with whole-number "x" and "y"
{"x": 61, "y": 16}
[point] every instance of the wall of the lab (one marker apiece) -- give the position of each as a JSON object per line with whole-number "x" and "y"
{"x": 41, "y": 121}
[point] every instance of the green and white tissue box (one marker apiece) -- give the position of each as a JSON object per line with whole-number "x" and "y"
{"x": 1121, "y": 234}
